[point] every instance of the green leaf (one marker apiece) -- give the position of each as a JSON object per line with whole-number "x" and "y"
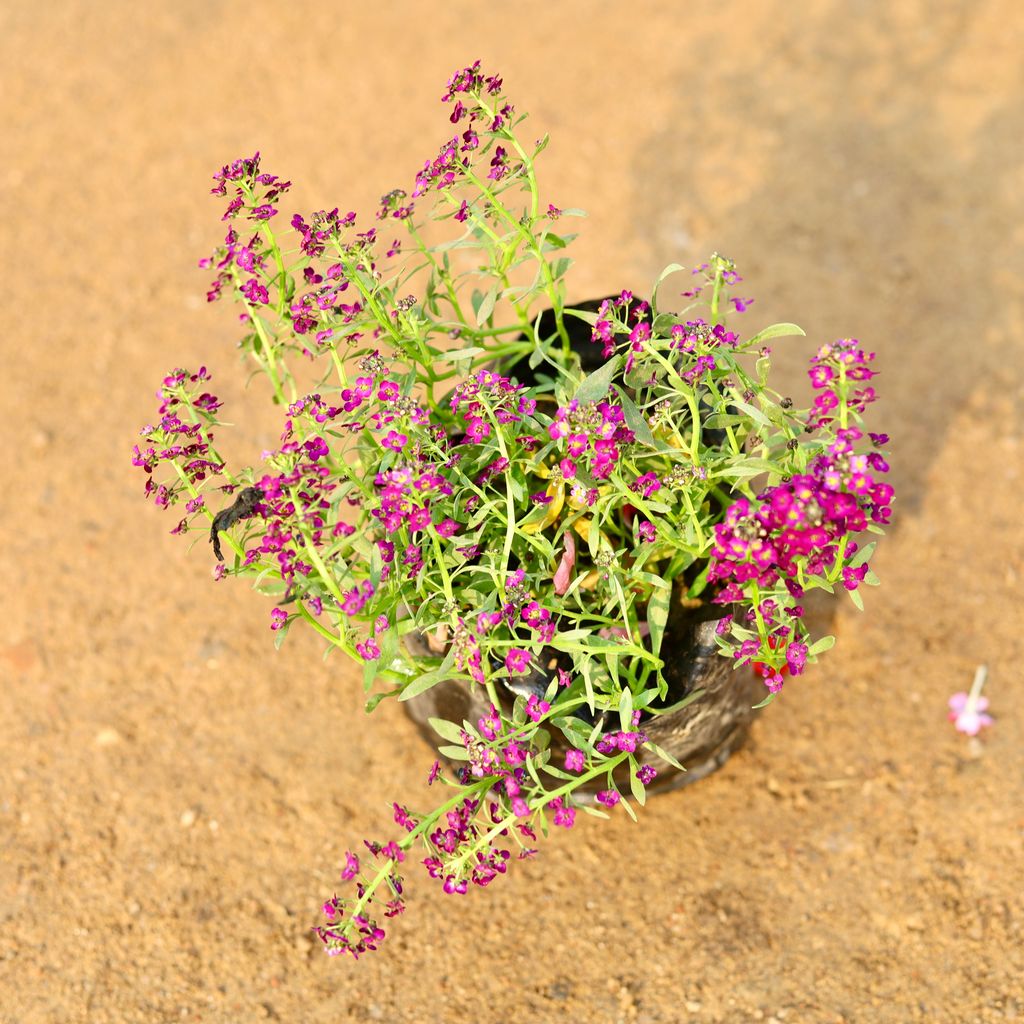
{"x": 369, "y": 674}
{"x": 549, "y": 238}
{"x": 376, "y": 567}
{"x": 486, "y": 307}
{"x": 635, "y": 419}
{"x": 424, "y": 682}
{"x": 863, "y": 555}
{"x": 657, "y": 616}
{"x": 446, "y": 730}
{"x": 579, "y": 314}
{"x": 748, "y": 467}
{"x": 457, "y": 355}
{"x": 672, "y": 268}
{"x": 857, "y": 599}
{"x": 700, "y": 583}
{"x": 663, "y": 324}
{"x": 596, "y": 385}
{"x": 388, "y": 643}
{"x": 626, "y": 710}
{"x": 755, "y": 414}
{"x": 665, "y": 756}
{"x": 680, "y": 704}
{"x": 776, "y": 331}
{"x": 371, "y": 704}
{"x": 635, "y": 785}
{"x": 764, "y": 703}
{"x": 282, "y": 632}
{"x": 588, "y": 687}
{"x": 628, "y": 808}
{"x": 762, "y": 368}
{"x": 826, "y": 643}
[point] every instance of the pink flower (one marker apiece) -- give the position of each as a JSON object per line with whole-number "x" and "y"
{"x": 796, "y": 657}
{"x": 517, "y": 661}
{"x": 536, "y": 708}
{"x": 967, "y": 710}
{"x": 351, "y": 868}
{"x": 564, "y": 816}
{"x": 969, "y": 716}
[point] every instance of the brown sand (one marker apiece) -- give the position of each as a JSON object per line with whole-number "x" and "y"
{"x": 175, "y": 798}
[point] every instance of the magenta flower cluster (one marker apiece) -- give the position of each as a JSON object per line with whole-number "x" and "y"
{"x": 804, "y": 527}
{"x": 183, "y": 444}
{"x": 591, "y": 435}
{"x": 831, "y": 368}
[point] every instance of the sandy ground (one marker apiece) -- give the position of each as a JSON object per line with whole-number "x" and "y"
{"x": 175, "y": 797}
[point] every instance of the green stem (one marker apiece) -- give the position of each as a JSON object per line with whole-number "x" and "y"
{"x": 534, "y": 249}
{"x": 388, "y": 867}
{"x": 441, "y": 274}
{"x": 268, "y": 362}
{"x": 716, "y": 291}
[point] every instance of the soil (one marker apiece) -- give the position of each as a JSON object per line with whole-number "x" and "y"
{"x": 175, "y": 797}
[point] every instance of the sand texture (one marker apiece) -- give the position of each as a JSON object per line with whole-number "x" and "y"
{"x": 176, "y": 797}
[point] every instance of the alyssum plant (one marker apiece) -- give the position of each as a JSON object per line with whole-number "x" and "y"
{"x": 455, "y": 499}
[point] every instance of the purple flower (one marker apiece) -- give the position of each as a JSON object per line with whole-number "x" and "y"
{"x": 646, "y": 484}
{"x": 278, "y": 617}
{"x": 490, "y": 724}
{"x": 316, "y": 448}
{"x": 796, "y": 657}
{"x": 454, "y": 887}
{"x": 608, "y": 797}
{"x": 515, "y": 754}
{"x": 646, "y": 774}
{"x": 517, "y": 661}
{"x": 564, "y": 816}
{"x": 447, "y": 528}
{"x": 351, "y": 868}
{"x": 574, "y": 760}
{"x": 536, "y": 708}
{"x": 435, "y": 770}
{"x": 403, "y": 818}
{"x": 368, "y": 651}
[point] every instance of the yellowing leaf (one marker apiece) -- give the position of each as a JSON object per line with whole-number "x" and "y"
{"x": 550, "y": 512}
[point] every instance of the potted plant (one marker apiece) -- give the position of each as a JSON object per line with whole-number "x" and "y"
{"x": 561, "y": 533}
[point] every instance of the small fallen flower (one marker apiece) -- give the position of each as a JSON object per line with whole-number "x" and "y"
{"x": 967, "y": 710}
